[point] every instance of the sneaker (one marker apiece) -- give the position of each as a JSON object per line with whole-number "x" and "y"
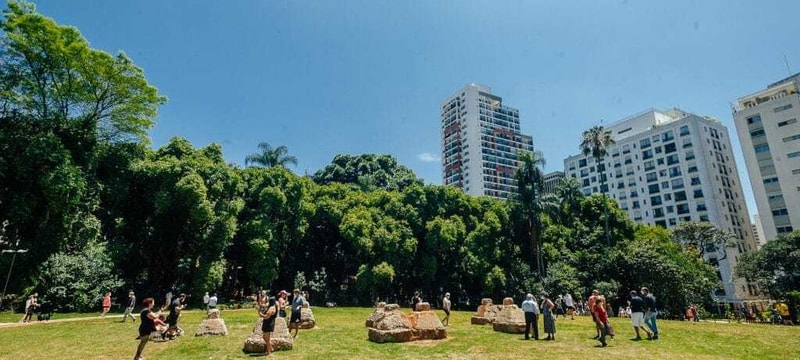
{"x": 655, "y": 337}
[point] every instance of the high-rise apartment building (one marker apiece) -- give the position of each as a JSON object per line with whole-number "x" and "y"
{"x": 669, "y": 167}
{"x": 768, "y": 128}
{"x": 480, "y": 141}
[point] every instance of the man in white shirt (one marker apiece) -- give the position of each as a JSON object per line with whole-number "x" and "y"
{"x": 205, "y": 300}
{"x": 531, "y": 310}
{"x": 212, "y": 302}
{"x": 570, "y": 304}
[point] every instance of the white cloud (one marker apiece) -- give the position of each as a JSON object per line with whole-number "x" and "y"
{"x": 428, "y": 157}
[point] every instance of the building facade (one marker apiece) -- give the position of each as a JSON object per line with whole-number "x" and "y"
{"x": 769, "y": 132}
{"x": 669, "y": 167}
{"x": 551, "y": 180}
{"x": 481, "y": 140}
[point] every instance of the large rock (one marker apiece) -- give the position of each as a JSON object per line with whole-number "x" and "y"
{"x": 390, "y": 326}
{"x": 486, "y": 312}
{"x": 376, "y": 314}
{"x": 212, "y": 325}
{"x": 307, "y": 320}
{"x": 511, "y": 318}
{"x": 280, "y": 338}
{"x": 426, "y": 324}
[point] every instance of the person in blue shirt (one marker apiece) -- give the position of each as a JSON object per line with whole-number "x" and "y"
{"x": 297, "y": 305}
{"x": 650, "y": 311}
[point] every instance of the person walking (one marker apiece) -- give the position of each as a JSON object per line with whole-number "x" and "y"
{"x": 650, "y": 311}
{"x": 267, "y": 311}
{"x": 637, "y": 316}
{"x": 297, "y": 305}
{"x": 146, "y": 326}
{"x": 590, "y": 307}
{"x": 570, "y": 304}
{"x": 602, "y": 318}
{"x": 446, "y": 307}
{"x": 30, "y": 307}
{"x": 106, "y": 304}
{"x": 206, "y": 299}
{"x": 531, "y": 310}
{"x": 130, "y": 307}
{"x": 548, "y": 309}
{"x": 175, "y": 309}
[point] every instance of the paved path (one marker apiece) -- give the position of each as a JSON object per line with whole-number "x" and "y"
{"x": 119, "y": 316}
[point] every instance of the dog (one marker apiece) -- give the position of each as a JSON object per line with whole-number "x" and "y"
{"x": 44, "y": 312}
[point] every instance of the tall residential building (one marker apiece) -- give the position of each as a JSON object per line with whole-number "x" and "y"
{"x": 758, "y": 231}
{"x": 768, "y": 128}
{"x": 480, "y": 141}
{"x": 551, "y": 180}
{"x": 669, "y": 167}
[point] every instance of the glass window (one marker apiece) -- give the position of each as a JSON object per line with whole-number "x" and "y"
{"x": 761, "y": 148}
{"x": 787, "y": 122}
{"x": 667, "y": 136}
{"x": 680, "y": 196}
{"x": 644, "y": 143}
{"x": 684, "y": 130}
{"x": 653, "y": 189}
{"x": 755, "y": 119}
{"x": 670, "y": 148}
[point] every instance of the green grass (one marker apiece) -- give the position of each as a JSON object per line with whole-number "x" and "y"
{"x": 341, "y": 334}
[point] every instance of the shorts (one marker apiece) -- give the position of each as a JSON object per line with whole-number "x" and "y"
{"x": 172, "y": 320}
{"x": 637, "y": 319}
{"x": 295, "y": 317}
{"x": 268, "y": 326}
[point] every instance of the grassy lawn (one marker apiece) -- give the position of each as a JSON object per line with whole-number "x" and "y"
{"x": 341, "y": 333}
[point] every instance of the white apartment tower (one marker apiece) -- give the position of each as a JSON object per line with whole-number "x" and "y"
{"x": 768, "y": 128}
{"x": 668, "y": 167}
{"x": 480, "y": 141}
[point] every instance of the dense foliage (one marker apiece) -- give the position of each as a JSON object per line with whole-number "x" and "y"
{"x": 100, "y": 211}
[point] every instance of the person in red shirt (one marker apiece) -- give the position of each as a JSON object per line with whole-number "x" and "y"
{"x": 590, "y": 303}
{"x": 599, "y": 311}
{"x": 106, "y": 303}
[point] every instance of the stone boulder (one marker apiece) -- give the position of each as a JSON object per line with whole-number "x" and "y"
{"x": 212, "y": 325}
{"x": 377, "y": 313}
{"x": 486, "y": 312}
{"x": 280, "y": 338}
{"x": 307, "y": 320}
{"x": 511, "y": 318}
{"x": 390, "y": 326}
{"x": 426, "y": 324}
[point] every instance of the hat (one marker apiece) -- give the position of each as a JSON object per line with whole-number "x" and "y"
{"x": 283, "y": 292}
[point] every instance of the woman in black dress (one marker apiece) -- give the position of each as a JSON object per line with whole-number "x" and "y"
{"x": 146, "y": 326}
{"x": 268, "y": 312}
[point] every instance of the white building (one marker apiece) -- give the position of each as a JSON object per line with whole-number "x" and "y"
{"x": 480, "y": 141}
{"x": 768, "y": 128}
{"x": 668, "y": 167}
{"x": 553, "y": 179}
{"x": 758, "y": 231}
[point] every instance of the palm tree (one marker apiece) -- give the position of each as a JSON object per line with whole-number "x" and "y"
{"x": 595, "y": 142}
{"x": 271, "y": 157}
{"x": 532, "y": 201}
{"x": 568, "y": 195}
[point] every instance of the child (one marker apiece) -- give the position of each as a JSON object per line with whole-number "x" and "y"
{"x": 602, "y": 319}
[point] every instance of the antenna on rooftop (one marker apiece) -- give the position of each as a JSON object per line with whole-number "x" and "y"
{"x": 786, "y": 61}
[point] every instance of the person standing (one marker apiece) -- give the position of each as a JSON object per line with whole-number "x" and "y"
{"x": 570, "y": 303}
{"x": 531, "y": 310}
{"x": 602, "y": 318}
{"x": 650, "y": 311}
{"x": 106, "y": 304}
{"x": 30, "y": 307}
{"x": 146, "y": 326}
{"x": 130, "y": 307}
{"x": 446, "y": 307}
{"x": 297, "y": 306}
{"x": 637, "y": 316}
{"x": 548, "y": 308}
{"x": 206, "y": 299}
{"x": 267, "y": 311}
{"x": 212, "y": 301}
{"x": 282, "y": 302}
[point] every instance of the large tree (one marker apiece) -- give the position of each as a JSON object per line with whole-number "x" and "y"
{"x": 595, "y": 142}
{"x": 367, "y": 172}
{"x": 48, "y": 71}
{"x": 775, "y": 268}
{"x": 270, "y": 156}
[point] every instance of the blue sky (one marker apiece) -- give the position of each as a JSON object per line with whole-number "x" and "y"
{"x": 328, "y": 77}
